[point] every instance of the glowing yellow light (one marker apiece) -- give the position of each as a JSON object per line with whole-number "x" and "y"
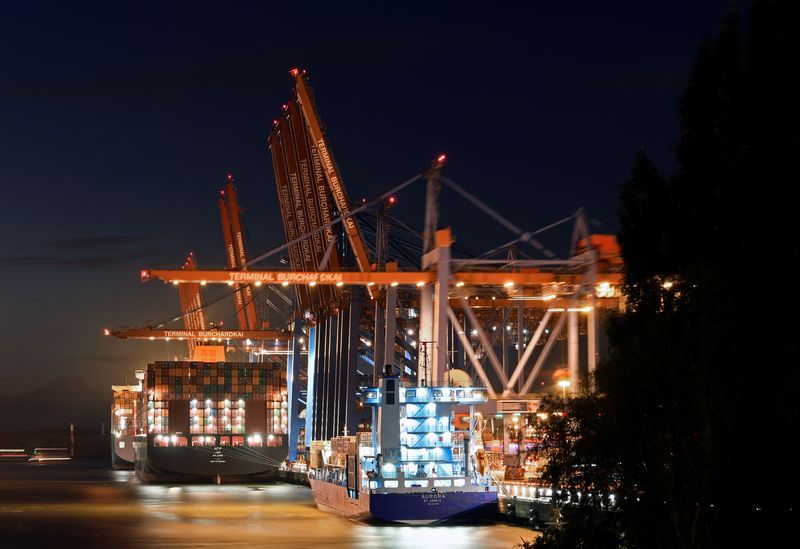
{"x": 459, "y": 283}
{"x": 393, "y": 284}
{"x": 312, "y": 283}
{"x": 175, "y": 282}
{"x": 230, "y": 283}
{"x": 340, "y": 284}
{"x": 285, "y": 283}
{"x": 202, "y": 282}
{"x": 509, "y": 284}
{"x": 258, "y": 283}
{"x": 420, "y": 284}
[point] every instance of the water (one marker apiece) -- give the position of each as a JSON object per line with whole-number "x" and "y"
{"x": 91, "y": 506}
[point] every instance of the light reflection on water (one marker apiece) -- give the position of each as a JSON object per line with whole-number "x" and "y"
{"x": 101, "y": 507}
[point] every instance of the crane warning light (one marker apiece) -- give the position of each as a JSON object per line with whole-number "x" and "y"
{"x": 284, "y": 106}
{"x": 441, "y": 158}
{"x": 106, "y": 331}
{"x": 145, "y": 275}
{"x": 392, "y": 199}
{"x": 294, "y": 72}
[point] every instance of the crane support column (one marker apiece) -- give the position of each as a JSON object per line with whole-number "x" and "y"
{"x": 293, "y": 381}
{"x": 356, "y": 304}
{"x": 391, "y": 325}
{"x": 378, "y": 344}
{"x": 425, "y": 332}
{"x": 573, "y": 358}
{"x": 311, "y": 388}
{"x": 440, "y": 304}
{"x": 391, "y": 319}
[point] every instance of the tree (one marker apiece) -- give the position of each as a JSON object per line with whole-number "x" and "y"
{"x": 695, "y": 435}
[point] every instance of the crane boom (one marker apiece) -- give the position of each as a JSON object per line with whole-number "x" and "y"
{"x": 331, "y": 172}
{"x": 230, "y": 215}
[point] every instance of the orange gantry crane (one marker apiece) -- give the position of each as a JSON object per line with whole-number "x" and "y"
{"x": 230, "y": 215}
{"x": 199, "y": 339}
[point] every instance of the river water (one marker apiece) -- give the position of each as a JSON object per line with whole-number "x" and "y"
{"x": 94, "y": 506}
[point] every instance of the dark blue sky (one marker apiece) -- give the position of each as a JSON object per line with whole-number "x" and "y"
{"x": 119, "y": 124}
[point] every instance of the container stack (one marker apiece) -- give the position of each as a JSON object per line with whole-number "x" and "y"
{"x": 315, "y": 457}
{"x": 217, "y": 393}
{"x": 124, "y": 417}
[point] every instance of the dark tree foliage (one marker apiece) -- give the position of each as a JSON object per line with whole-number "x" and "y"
{"x": 645, "y": 211}
{"x": 697, "y": 399}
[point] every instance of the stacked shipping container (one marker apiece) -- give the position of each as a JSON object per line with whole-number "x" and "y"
{"x": 212, "y": 398}
{"x": 124, "y": 417}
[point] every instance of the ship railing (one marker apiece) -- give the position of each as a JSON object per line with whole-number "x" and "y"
{"x": 429, "y": 430}
{"x": 436, "y": 444}
{"x": 413, "y": 385}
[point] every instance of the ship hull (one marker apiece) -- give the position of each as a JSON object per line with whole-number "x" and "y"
{"x": 333, "y": 498}
{"x": 417, "y": 508}
{"x": 122, "y": 453}
{"x": 207, "y": 463}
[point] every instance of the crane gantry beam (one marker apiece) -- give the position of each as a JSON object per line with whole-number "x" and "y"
{"x": 401, "y": 278}
{"x": 197, "y": 335}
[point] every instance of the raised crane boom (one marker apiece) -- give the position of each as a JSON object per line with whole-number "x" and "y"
{"x": 331, "y": 172}
{"x": 230, "y": 216}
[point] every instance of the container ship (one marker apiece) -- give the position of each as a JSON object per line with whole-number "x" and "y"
{"x": 210, "y": 422}
{"x": 419, "y": 467}
{"x": 124, "y": 410}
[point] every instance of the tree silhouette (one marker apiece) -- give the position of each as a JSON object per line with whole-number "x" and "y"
{"x": 697, "y": 396}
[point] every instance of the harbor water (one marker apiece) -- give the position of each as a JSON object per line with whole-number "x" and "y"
{"x": 91, "y": 505}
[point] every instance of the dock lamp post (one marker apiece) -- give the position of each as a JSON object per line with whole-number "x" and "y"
{"x": 564, "y": 384}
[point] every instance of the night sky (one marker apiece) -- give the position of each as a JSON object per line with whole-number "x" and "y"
{"x": 119, "y": 125}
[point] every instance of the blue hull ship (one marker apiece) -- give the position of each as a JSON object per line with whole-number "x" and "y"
{"x": 416, "y": 467}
